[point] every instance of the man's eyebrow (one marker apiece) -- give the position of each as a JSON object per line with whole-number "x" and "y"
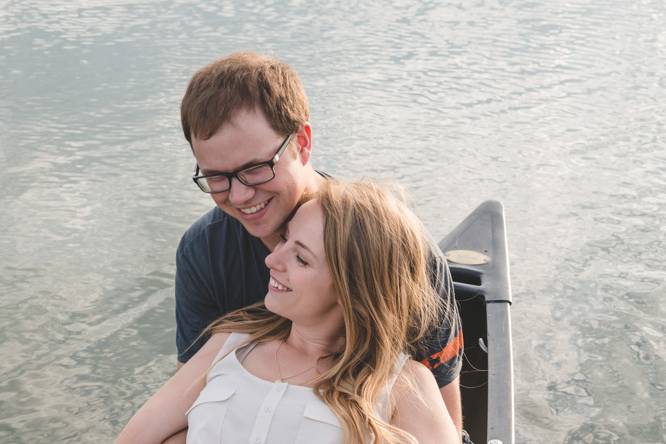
{"x": 249, "y": 163}
{"x": 207, "y": 172}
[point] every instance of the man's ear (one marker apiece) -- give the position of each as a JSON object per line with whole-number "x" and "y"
{"x": 304, "y": 141}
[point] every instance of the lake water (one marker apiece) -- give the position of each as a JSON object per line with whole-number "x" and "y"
{"x": 556, "y": 108}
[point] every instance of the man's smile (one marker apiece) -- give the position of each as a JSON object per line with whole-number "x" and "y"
{"x": 255, "y": 208}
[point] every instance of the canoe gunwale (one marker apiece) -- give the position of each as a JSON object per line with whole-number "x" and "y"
{"x": 483, "y": 293}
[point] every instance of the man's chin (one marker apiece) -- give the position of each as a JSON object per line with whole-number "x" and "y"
{"x": 267, "y": 234}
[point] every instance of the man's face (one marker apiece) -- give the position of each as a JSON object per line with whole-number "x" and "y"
{"x": 248, "y": 139}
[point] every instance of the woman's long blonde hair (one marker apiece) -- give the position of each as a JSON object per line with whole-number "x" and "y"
{"x": 377, "y": 253}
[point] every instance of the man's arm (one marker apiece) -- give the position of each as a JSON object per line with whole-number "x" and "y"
{"x": 447, "y": 374}
{"x": 195, "y": 304}
{"x": 446, "y": 346}
{"x": 445, "y": 365}
{"x": 451, "y": 395}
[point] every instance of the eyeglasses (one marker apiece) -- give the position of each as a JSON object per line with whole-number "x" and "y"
{"x": 250, "y": 175}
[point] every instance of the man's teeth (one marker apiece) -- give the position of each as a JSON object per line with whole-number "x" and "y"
{"x": 279, "y": 286}
{"x": 254, "y": 209}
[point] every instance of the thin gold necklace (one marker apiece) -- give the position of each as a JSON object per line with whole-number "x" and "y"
{"x": 277, "y": 361}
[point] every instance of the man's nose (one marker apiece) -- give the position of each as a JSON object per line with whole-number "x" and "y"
{"x": 240, "y": 193}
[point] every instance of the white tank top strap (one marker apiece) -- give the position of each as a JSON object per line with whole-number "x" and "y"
{"x": 383, "y": 405}
{"x": 397, "y": 368}
{"x": 245, "y": 349}
{"x": 234, "y": 341}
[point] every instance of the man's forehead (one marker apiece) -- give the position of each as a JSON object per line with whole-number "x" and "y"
{"x": 232, "y": 148}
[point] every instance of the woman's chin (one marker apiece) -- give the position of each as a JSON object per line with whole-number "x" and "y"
{"x": 271, "y": 304}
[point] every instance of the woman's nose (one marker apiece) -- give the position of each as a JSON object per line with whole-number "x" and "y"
{"x": 274, "y": 259}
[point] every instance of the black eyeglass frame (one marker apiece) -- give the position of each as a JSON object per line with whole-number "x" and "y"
{"x": 237, "y": 174}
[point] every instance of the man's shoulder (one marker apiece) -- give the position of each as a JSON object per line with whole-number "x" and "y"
{"x": 437, "y": 265}
{"x": 204, "y": 222}
{"x": 212, "y": 229}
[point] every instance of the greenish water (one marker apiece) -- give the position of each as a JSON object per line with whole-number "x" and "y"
{"x": 556, "y": 108}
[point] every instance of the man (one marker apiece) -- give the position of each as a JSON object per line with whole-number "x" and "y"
{"x": 246, "y": 119}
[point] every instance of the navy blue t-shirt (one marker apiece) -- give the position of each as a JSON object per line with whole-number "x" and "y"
{"x": 220, "y": 268}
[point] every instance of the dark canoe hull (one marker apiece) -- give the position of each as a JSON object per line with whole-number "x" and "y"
{"x": 478, "y": 257}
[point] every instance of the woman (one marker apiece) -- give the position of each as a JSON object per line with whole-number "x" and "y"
{"x": 325, "y": 358}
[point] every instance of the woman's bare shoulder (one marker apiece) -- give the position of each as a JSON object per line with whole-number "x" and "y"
{"x": 418, "y": 405}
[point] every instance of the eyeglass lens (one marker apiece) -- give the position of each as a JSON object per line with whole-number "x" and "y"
{"x": 251, "y": 176}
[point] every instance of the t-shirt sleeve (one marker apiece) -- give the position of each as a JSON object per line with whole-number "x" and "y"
{"x": 195, "y": 303}
{"x": 445, "y": 344}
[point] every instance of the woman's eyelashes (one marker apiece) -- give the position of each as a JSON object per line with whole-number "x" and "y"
{"x": 301, "y": 261}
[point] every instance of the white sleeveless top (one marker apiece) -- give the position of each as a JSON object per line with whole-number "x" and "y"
{"x": 238, "y": 407}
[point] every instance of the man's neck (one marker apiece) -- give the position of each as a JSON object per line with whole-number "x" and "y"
{"x": 271, "y": 241}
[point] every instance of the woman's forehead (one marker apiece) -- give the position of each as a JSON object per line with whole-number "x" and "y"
{"x": 308, "y": 213}
{"x": 308, "y": 222}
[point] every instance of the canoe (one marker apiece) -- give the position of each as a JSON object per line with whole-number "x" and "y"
{"x": 477, "y": 254}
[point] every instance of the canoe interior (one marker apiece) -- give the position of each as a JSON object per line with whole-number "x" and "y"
{"x": 474, "y": 372}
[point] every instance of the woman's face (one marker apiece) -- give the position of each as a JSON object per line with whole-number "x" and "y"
{"x": 301, "y": 287}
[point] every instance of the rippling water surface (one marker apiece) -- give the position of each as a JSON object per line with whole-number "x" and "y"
{"x": 556, "y": 108}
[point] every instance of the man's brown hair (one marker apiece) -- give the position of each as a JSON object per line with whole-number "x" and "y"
{"x": 243, "y": 81}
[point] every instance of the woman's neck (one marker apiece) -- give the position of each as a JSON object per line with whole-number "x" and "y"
{"x": 315, "y": 343}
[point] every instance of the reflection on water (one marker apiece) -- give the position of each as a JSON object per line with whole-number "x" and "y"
{"x": 556, "y": 109}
